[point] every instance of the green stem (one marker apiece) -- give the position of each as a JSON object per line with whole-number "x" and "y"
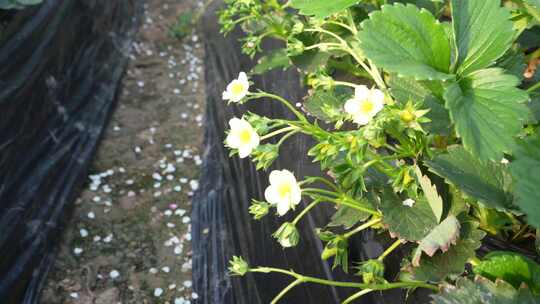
{"x": 381, "y": 159}
{"x": 345, "y": 202}
{"x": 324, "y": 181}
{"x": 362, "y": 227}
{"x": 305, "y": 211}
{"x": 269, "y": 135}
{"x": 534, "y": 87}
{"x": 286, "y": 5}
{"x": 377, "y": 75}
{"x": 345, "y": 83}
{"x": 357, "y": 295}
{"x": 322, "y": 45}
{"x": 374, "y": 73}
{"x": 320, "y": 191}
{"x": 320, "y": 30}
{"x": 284, "y": 291}
{"x": 282, "y": 139}
{"x": 352, "y": 24}
{"x": 241, "y": 19}
{"x": 285, "y": 102}
{"x": 389, "y": 250}
{"x": 308, "y": 279}
{"x": 343, "y": 25}
{"x": 386, "y": 165}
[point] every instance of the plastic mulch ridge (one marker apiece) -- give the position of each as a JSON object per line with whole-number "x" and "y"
{"x": 60, "y": 66}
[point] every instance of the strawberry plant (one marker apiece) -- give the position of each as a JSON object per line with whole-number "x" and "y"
{"x": 431, "y": 134}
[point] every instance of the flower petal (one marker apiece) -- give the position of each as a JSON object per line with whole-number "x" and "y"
{"x": 244, "y": 151}
{"x": 283, "y": 207}
{"x": 288, "y": 177}
{"x": 352, "y": 106}
{"x": 271, "y": 195}
{"x": 275, "y": 177}
{"x": 377, "y": 96}
{"x": 255, "y": 140}
{"x": 232, "y": 140}
{"x": 226, "y": 95}
{"x": 296, "y": 195}
{"x": 362, "y": 119}
{"x": 361, "y": 92}
{"x": 235, "y": 123}
{"x": 242, "y": 77}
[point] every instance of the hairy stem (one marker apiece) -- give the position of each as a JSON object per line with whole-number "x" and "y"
{"x": 305, "y": 211}
{"x": 389, "y": 250}
{"x": 269, "y": 135}
{"x": 287, "y": 289}
{"x": 362, "y": 227}
{"x": 534, "y": 87}
{"x": 308, "y": 279}
{"x": 357, "y": 295}
{"x": 324, "y": 181}
{"x": 320, "y": 191}
{"x": 284, "y": 101}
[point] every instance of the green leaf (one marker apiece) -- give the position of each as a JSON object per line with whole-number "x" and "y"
{"x": 535, "y": 3}
{"x": 321, "y": 8}
{"x": 310, "y": 61}
{"x": 276, "y": 59}
{"x": 408, "y": 223}
{"x": 534, "y": 106}
{"x": 458, "y": 203}
{"x": 327, "y": 105}
{"x": 441, "y": 237}
{"x": 405, "y": 89}
{"x": 533, "y": 8}
{"x": 430, "y": 192}
{"x": 451, "y": 262}
{"x": 488, "y": 111}
{"x": 525, "y": 170}
{"x": 347, "y": 217}
{"x": 511, "y": 267}
{"x": 513, "y": 62}
{"x": 483, "y": 181}
{"x": 407, "y": 41}
{"x": 483, "y": 291}
{"x": 483, "y": 32}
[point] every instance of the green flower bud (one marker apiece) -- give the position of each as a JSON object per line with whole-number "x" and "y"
{"x": 328, "y": 252}
{"x": 238, "y": 266}
{"x": 372, "y": 271}
{"x": 295, "y": 47}
{"x": 287, "y": 235}
{"x": 259, "y": 209}
{"x": 297, "y": 28}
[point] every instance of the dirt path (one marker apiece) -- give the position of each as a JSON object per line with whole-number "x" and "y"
{"x": 129, "y": 239}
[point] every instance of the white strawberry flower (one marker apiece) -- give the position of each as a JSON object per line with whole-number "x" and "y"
{"x": 237, "y": 89}
{"x": 242, "y": 136}
{"x": 365, "y": 104}
{"x": 284, "y": 191}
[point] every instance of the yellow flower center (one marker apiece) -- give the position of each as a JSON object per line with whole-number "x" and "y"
{"x": 366, "y": 106}
{"x": 237, "y": 88}
{"x": 407, "y": 116}
{"x": 245, "y": 136}
{"x": 284, "y": 190}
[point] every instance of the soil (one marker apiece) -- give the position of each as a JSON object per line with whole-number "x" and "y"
{"x": 129, "y": 237}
